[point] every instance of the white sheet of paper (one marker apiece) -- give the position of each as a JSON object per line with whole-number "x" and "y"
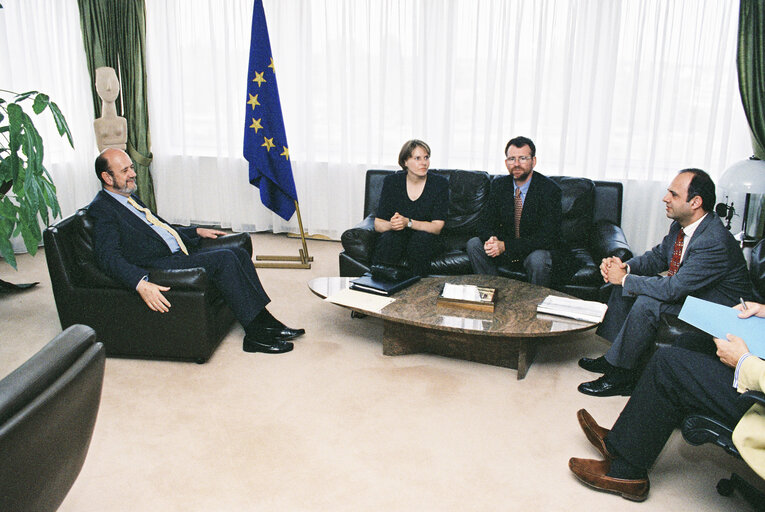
{"x": 461, "y": 292}
{"x": 360, "y": 300}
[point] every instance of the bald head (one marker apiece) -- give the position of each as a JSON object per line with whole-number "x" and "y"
{"x": 115, "y": 171}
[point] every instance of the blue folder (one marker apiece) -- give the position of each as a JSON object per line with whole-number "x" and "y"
{"x": 719, "y": 321}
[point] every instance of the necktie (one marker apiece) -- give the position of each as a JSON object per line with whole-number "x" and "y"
{"x": 518, "y": 210}
{"x": 151, "y": 218}
{"x": 677, "y": 253}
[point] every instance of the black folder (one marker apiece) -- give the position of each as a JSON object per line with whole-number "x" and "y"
{"x": 365, "y": 283}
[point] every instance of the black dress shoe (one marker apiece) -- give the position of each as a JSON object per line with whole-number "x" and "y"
{"x": 267, "y": 345}
{"x": 283, "y": 332}
{"x": 609, "y": 385}
{"x": 597, "y": 365}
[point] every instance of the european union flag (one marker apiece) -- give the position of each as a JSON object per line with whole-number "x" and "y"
{"x": 265, "y": 140}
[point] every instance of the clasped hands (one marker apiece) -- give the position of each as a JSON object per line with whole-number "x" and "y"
{"x": 151, "y": 293}
{"x": 494, "y": 247}
{"x": 613, "y": 270}
{"x": 398, "y": 222}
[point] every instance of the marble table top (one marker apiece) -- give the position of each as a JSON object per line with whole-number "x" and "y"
{"x": 514, "y": 314}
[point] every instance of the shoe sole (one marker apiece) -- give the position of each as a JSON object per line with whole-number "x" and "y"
{"x": 262, "y": 351}
{"x": 630, "y": 497}
{"x": 620, "y": 393}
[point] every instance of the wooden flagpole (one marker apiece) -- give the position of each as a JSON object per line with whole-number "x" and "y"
{"x": 302, "y": 261}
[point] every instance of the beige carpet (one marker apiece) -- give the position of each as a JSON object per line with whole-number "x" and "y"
{"x": 335, "y": 425}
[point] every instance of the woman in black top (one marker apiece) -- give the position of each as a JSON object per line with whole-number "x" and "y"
{"x": 412, "y": 210}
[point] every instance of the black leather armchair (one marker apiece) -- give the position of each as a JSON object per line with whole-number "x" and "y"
{"x": 590, "y": 225}
{"x": 48, "y": 409}
{"x": 192, "y": 329}
{"x": 670, "y": 327}
{"x": 698, "y": 429}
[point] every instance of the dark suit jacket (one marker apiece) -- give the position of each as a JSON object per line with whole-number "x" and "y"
{"x": 124, "y": 245}
{"x": 540, "y": 219}
{"x": 713, "y": 267}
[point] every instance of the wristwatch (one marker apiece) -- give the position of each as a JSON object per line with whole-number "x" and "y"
{"x": 409, "y": 224}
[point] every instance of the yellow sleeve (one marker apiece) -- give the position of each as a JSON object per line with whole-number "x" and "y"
{"x": 751, "y": 375}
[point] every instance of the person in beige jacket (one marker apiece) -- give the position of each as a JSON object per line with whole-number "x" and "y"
{"x": 749, "y": 435}
{"x": 679, "y": 380}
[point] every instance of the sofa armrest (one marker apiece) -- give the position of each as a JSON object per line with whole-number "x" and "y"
{"x": 608, "y": 240}
{"x": 242, "y": 240}
{"x": 186, "y": 279}
{"x": 359, "y": 241}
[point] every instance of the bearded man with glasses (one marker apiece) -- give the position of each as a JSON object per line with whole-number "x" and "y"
{"x": 523, "y": 227}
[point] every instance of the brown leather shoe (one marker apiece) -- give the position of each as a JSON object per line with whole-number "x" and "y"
{"x": 596, "y": 434}
{"x": 593, "y": 473}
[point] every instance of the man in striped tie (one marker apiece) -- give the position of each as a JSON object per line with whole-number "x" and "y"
{"x": 698, "y": 257}
{"x": 523, "y": 227}
{"x": 128, "y": 239}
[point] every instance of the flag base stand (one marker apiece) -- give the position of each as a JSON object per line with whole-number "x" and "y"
{"x": 302, "y": 261}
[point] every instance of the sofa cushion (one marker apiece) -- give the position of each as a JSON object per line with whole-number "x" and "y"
{"x": 577, "y": 203}
{"x": 468, "y": 193}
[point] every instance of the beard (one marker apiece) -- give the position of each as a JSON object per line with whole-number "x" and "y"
{"x": 524, "y": 173}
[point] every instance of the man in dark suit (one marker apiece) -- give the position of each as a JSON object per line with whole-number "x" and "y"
{"x": 524, "y": 219}
{"x": 128, "y": 239}
{"x": 700, "y": 258}
{"x": 677, "y": 382}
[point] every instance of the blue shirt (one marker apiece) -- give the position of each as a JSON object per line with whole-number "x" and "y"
{"x": 169, "y": 239}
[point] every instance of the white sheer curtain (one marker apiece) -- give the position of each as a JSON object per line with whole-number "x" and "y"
{"x": 41, "y": 49}
{"x": 629, "y": 91}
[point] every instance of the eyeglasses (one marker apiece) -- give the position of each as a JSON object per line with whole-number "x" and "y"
{"x": 521, "y": 159}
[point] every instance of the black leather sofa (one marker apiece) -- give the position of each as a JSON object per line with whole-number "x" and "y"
{"x": 192, "y": 329}
{"x": 48, "y": 409}
{"x": 590, "y": 229}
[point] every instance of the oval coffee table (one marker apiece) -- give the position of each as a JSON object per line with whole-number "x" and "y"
{"x": 507, "y": 337}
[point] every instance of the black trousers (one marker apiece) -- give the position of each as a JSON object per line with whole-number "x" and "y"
{"x": 232, "y": 272}
{"x": 417, "y": 247}
{"x": 676, "y": 383}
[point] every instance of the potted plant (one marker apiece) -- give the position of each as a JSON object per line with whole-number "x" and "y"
{"x": 27, "y": 193}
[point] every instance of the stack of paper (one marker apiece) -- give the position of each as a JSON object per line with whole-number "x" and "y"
{"x": 586, "y": 310}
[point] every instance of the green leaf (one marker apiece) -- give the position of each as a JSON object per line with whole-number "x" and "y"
{"x": 31, "y": 235}
{"x": 7, "y": 214}
{"x": 5, "y": 170}
{"x": 6, "y": 251}
{"x": 33, "y": 145}
{"x": 61, "y": 125}
{"x": 41, "y": 101}
{"x": 24, "y": 95}
{"x": 14, "y": 123}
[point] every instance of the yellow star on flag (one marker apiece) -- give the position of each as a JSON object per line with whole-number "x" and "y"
{"x": 285, "y": 153}
{"x": 256, "y": 124}
{"x": 273, "y": 68}
{"x": 259, "y": 78}
{"x": 253, "y": 101}
{"x": 268, "y": 143}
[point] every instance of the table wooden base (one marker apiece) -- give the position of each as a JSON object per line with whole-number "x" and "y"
{"x": 508, "y": 352}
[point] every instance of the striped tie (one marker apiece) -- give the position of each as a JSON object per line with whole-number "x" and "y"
{"x": 151, "y": 218}
{"x": 518, "y": 211}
